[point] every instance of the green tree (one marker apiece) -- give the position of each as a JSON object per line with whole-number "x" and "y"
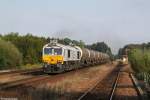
{"x": 67, "y": 41}
{"x": 102, "y": 47}
{"x": 30, "y": 46}
{"x": 10, "y": 57}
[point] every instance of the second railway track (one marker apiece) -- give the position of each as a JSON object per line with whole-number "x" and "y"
{"x": 25, "y": 71}
{"x": 22, "y": 81}
{"x": 118, "y": 85}
{"x": 34, "y": 80}
{"x": 102, "y": 89}
{"x": 126, "y": 88}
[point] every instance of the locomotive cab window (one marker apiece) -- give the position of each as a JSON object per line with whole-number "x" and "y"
{"x": 68, "y": 53}
{"x": 47, "y": 51}
{"x": 57, "y": 51}
{"x": 78, "y": 55}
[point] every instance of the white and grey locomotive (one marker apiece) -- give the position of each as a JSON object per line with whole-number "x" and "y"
{"x": 58, "y": 58}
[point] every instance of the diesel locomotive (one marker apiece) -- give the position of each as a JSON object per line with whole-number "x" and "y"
{"x": 59, "y": 58}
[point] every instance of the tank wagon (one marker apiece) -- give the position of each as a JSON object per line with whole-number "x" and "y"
{"x": 59, "y": 58}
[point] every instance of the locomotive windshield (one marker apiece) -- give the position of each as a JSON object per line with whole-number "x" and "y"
{"x": 52, "y": 51}
{"x": 47, "y": 51}
{"x": 57, "y": 51}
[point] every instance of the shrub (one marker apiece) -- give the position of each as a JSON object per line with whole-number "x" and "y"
{"x": 140, "y": 59}
{"x": 10, "y": 57}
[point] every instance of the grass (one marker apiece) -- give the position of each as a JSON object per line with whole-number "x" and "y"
{"x": 140, "y": 61}
{"x": 31, "y": 66}
{"x": 56, "y": 91}
{"x": 67, "y": 88}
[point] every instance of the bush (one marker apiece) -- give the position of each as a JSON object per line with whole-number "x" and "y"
{"x": 30, "y": 46}
{"x": 10, "y": 57}
{"x": 140, "y": 59}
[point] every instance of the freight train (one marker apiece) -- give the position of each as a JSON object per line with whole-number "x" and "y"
{"x": 58, "y": 58}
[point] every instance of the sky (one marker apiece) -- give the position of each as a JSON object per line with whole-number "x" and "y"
{"x": 116, "y": 22}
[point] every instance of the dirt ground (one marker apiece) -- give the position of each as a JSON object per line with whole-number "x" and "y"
{"x": 76, "y": 84}
{"x": 70, "y": 86}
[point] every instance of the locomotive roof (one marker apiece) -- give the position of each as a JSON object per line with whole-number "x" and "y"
{"x": 61, "y": 45}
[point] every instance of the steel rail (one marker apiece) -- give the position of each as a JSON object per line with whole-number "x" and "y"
{"x": 20, "y": 71}
{"x": 138, "y": 88}
{"x": 114, "y": 87}
{"x": 22, "y": 81}
{"x": 83, "y": 95}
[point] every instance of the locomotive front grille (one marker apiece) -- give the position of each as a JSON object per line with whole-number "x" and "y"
{"x": 51, "y": 68}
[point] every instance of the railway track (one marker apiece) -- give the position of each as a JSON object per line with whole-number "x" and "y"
{"x": 108, "y": 89}
{"x": 34, "y": 80}
{"x": 20, "y": 71}
{"x": 114, "y": 87}
{"x": 18, "y": 83}
{"x": 25, "y": 71}
{"x": 131, "y": 87}
{"x": 24, "y": 76}
{"x": 102, "y": 89}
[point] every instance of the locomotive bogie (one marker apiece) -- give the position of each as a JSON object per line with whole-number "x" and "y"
{"x": 53, "y": 68}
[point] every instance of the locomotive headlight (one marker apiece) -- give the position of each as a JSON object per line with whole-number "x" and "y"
{"x": 45, "y": 65}
{"x": 59, "y": 61}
